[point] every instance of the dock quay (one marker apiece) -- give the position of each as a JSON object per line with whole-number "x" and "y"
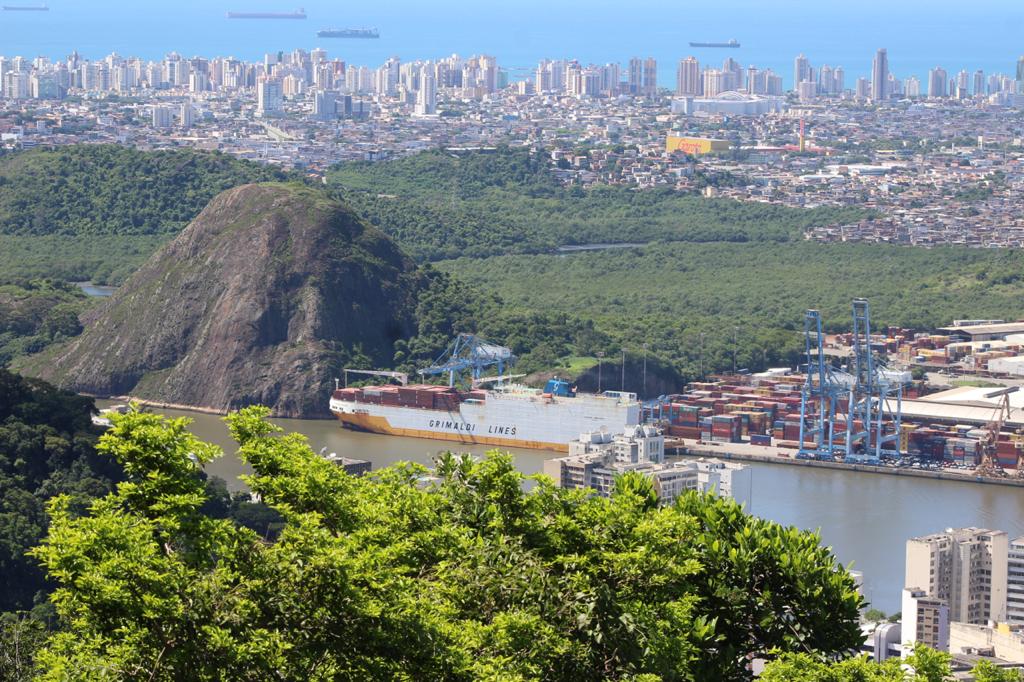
{"x": 782, "y": 456}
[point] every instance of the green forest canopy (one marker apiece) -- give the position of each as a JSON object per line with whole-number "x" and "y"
{"x": 444, "y": 205}
{"x": 385, "y": 577}
{"x": 97, "y": 211}
{"x": 667, "y": 295}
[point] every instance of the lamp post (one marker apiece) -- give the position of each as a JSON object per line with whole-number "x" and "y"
{"x": 735, "y": 340}
{"x": 645, "y": 370}
{"x": 702, "y": 356}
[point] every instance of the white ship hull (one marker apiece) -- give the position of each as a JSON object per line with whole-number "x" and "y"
{"x": 510, "y": 419}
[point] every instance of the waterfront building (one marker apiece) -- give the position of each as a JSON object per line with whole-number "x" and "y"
{"x": 596, "y": 459}
{"x": 966, "y": 568}
{"x": 880, "y": 76}
{"x": 1015, "y": 582}
{"x": 924, "y": 620}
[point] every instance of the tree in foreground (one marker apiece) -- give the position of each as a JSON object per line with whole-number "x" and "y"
{"x": 923, "y": 665}
{"x": 387, "y": 576}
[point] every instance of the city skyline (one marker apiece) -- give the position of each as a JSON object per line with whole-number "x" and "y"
{"x": 770, "y": 37}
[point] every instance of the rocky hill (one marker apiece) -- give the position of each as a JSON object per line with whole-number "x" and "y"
{"x": 261, "y": 299}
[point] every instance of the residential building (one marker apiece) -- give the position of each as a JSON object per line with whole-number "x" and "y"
{"x": 966, "y": 568}
{"x": 269, "y": 98}
{"x": 688, "y": 78}
{"x": 937, "y": 82}
{"x": 1015, "y": 582}
{"x": 925, "y": 620}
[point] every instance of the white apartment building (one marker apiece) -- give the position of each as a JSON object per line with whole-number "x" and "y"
{"x": 1015, "y": 582}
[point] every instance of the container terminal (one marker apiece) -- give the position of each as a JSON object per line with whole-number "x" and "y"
{"x": 861, "y": 413}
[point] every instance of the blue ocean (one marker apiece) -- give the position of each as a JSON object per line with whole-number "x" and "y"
{"x": 919, "y": 34}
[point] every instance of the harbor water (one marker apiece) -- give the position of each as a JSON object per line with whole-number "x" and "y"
{"x": 866, "y": 518}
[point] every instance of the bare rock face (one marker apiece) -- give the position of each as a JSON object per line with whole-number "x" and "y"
{"x": 261, "y": 299}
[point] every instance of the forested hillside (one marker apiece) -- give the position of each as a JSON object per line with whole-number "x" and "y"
{"x": 667, "y": 295}
{"x": 88, "y": 211}
{"x": 37, "y": 313}
{"x": 444, "y": 205}
{"x": 46, "y": 449}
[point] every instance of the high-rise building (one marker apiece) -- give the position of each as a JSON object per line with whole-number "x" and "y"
{"x": 826, "y": 81}
{"x": 635, "y": 77}
{"x": 807, "y": 91}
{"x": 962, "y": 90}
{"x": 979, "y": 83}
{"x": 839, "y": 80}
{"x": 966, "y": 568}
{"x": 880, "y": 76}
{"x": 713, "y": 82}
{"x": 185, "y": 114}
{"x": 1015, "y": 581}
{"x": 912, "y": 87}
{"x": 937, "y": 82}
{"x": 163, "y": 116}
{"x": 801, "y": 70}
{"x": 650, "y": 77}
{"x": 732, "y": 72}
{"x": 426, "y": 96}
{"x": 269, "y": 98}
{"x": 1020, "y": 75}
{"x": 862, "y": 90}
{"x": 688, "y": 78}
{"x": 925, "y": 620}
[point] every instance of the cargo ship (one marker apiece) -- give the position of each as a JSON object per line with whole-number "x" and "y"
{"x": 348, "y": 33}
{"x": 26, "y": 8}
{"x": 298, "y": 14}
{"x": 731, "y": 43}
{"x": 506, "y": 415}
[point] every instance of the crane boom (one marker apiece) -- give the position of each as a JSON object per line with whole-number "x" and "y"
{"x": 402, "y": 377}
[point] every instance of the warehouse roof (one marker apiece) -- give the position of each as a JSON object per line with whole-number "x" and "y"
{"x": 955, "y": 413}
{"x": 985, "y": 329}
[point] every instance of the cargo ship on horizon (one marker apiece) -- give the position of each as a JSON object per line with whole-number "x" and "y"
{"x": 348, "y": 33}
{"x": 730, "y": 43}
{"x": 26, "y": 8}
{"x": 297, "y": 14}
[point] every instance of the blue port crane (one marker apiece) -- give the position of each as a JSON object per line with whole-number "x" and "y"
{"x": 868, "y": 399}
{"x": 469, "y": 352}
{"x": 823, "y": 390}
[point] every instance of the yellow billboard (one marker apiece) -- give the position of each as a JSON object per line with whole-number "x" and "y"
{"x": 695, "y": 145}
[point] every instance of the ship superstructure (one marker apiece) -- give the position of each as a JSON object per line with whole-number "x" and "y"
{"x": 348, "y": 33}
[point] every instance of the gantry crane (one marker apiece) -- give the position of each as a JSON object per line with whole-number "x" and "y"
{"x": 469, "y": 352}
{"x": 989, "y": 465}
